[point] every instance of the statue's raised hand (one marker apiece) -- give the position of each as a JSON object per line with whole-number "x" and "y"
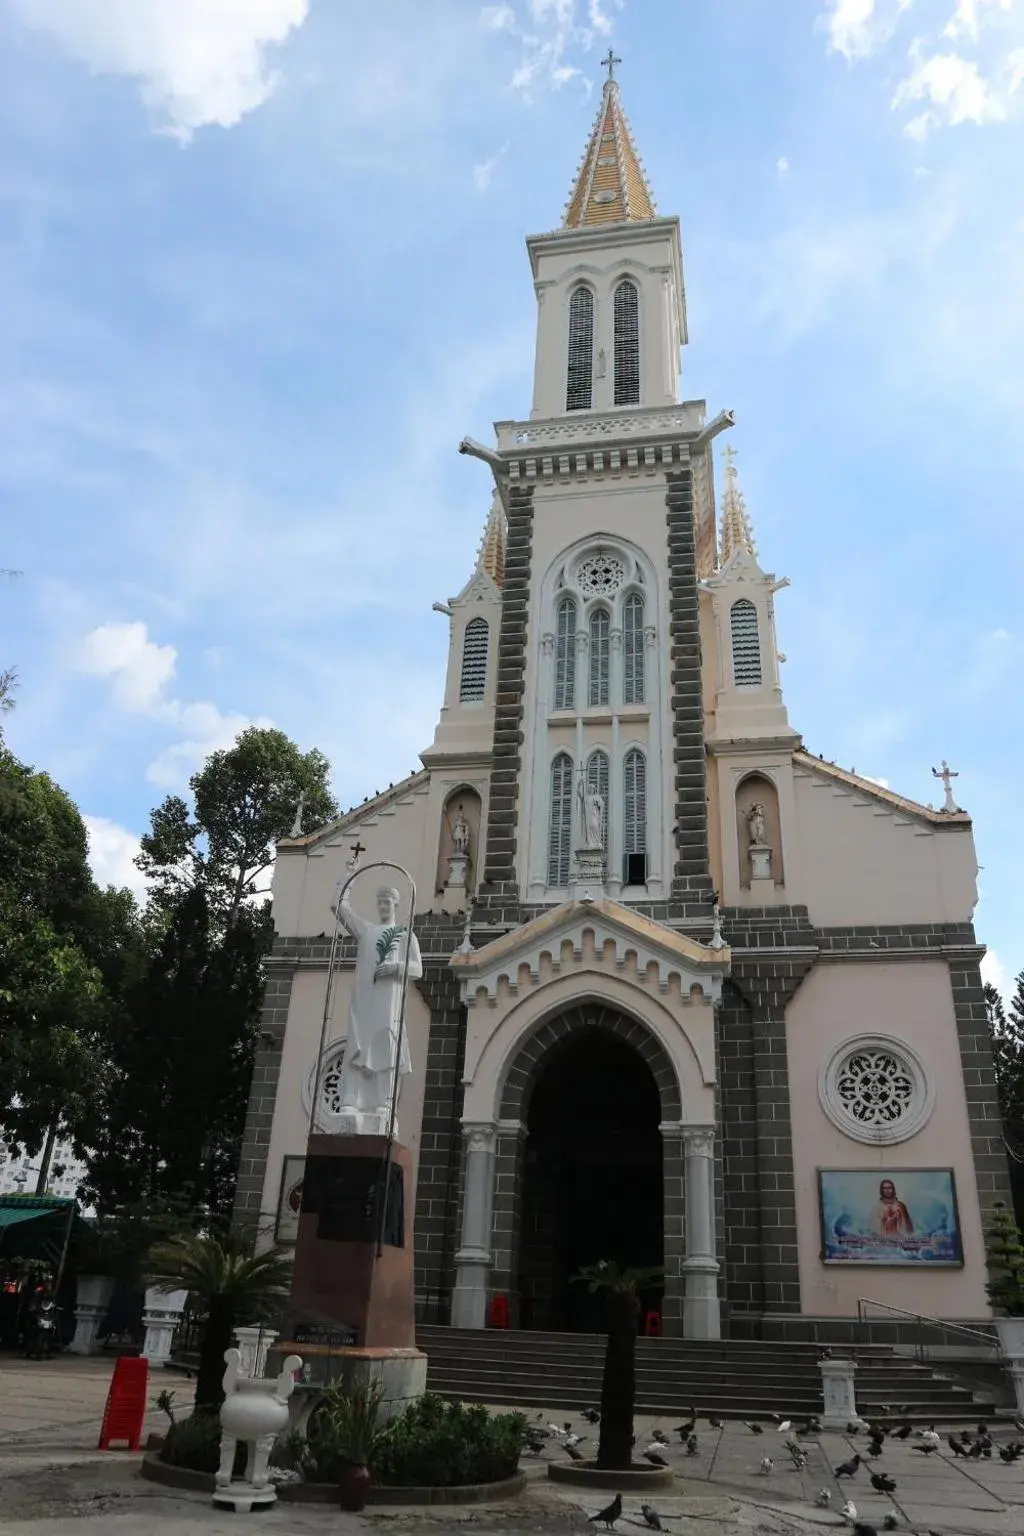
{"x": 388, "y": 968}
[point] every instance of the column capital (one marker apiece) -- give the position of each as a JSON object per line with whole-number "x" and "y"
{"x": 479, "y": 1135}
{"x": 512, "y": 1128}
{"x": 699, "y": 1140}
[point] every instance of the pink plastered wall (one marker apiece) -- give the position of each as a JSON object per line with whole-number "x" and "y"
{"x": 910, "y": 1002}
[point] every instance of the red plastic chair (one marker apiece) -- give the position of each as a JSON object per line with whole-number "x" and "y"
{"x": 497, "y": 1316}
{"x": 652, "y": 1325}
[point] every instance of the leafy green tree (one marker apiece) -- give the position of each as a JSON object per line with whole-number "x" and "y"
{"x": 245, "y": 800}
{"x": 622, "y": 1289}
{"x": 1006, "y": 1028}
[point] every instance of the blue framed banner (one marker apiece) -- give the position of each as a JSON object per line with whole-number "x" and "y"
{"x": 902, "y": 1216}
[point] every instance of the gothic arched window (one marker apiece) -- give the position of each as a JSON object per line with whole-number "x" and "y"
{"x": 600, "y": 646}
{"x": 633, "y": 649}
{"x": 560, "y": 821}
{"x": 565, "y": 654}
{"x": 474, "y": 661}
{"x": 634, "y": 815}
{"x": 597, "y": 778}
{"x": 627, "y": 344}
{"x": 746, "y": 644}
{"x": 578, "y": 389}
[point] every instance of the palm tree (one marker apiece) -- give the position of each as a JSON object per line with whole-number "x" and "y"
{"x": 622, "y": 1289}
{"x": 233, "y": 1287}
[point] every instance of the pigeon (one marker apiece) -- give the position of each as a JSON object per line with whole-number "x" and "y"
{"x": 691, "y": 1445}
{"x": 848, "y": 1468}
{"x": 955, "y": 1446}
{"x": 571, "y": 1441}
{"x": 535, "y": 1447}
{"x": 609, "y": 1514}
{"x": 904, "y": 1432}
{"x": 929, "y": 1437}
{"x": 861, "y": 1529}
{"x": 766, "y": 1466}
{"x": 882, "y": 1484}
{"x": 684, "y": 1430}
{"x": 891, "y": 1521}
{"x": 974, "y": 1453}
{"x": 659, "y": 1437}
{"x": 553, "y": 1429}
{"x": 591, "y": 1415}
{"x": 714, "y": 1421}
{"x": 982, "y": 1430}
{"x": 928, "y": 1450}
{"x": 567, "y": 1427}
{"x": 874, "y": 1448}
{"x": 755, "y": 1429}
{"x": 572, "y": 1453}
{"x": 849, "y": 1511}
{"x": 823, "y": 1498}
{"x": 654, "y": 1456}
{"x": 651, "y": 1517}
{"x": 785, "y": 1426}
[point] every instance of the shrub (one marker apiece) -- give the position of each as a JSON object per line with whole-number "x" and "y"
{"x": 1005, "y": 1256}
{"x": 447, "y": 1445}
{"x": 342, "y": 1432}
{"x": 193, "y": 1442}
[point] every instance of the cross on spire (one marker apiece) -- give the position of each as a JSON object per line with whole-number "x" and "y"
{"x": 610, "y": 63}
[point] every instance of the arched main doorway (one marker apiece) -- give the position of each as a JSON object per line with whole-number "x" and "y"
{"x": 592, "y": 1179}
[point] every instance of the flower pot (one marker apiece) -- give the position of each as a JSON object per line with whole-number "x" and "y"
{"x": 353, "y": 1487}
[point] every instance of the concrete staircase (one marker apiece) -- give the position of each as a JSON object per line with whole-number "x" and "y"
{"x": 735, "y": 1379}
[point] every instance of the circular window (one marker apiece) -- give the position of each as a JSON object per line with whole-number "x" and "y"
{"x": 600, "y": 575}
{"x": 875, "y": 1089}
{"x": 328, "y": 1098}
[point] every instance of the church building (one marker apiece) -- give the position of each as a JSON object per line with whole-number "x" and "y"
{"x": 692, "y": 996}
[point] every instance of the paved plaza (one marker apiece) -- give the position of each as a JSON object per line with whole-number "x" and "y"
{"x": 53, "y": 1481}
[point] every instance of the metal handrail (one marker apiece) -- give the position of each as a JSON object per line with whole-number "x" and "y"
{"x": 974, "y": 1334}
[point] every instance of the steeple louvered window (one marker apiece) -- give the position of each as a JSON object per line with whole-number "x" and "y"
{"x": 565, "y": 654}
{"x": 560, "y": 820}
{"x": 627, "y": 344}
{"x": 633, "y": 649}
{"x": 579, "y": 383}
{"x": 634, "y": 817}
{"x": 473, "y": 680}
{"x": 598, "y": 778}
{"x": 600, "y": 647}
{"x": 746, "y": 644}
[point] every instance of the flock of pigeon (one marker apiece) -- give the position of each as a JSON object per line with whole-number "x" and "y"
{"x": 972, "y": 1444}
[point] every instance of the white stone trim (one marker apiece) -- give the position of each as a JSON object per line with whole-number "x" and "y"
{"x": 909, "y": 1123}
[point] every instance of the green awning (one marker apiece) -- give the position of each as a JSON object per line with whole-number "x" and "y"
{"x": 32, "y": 1225}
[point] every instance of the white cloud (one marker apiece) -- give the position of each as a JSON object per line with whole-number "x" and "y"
{"x": 483, "y": 172}
{"x": 858, "y": 28}
{"x": 782, "y": 165}
{"x": 882, "y": 783}
{"x": 548, "y": 30}
{"x": 993, "y": 970}
{"x": 498, "y": 18}
{"x": 139, "y": 671}
{"x": 197, "y": 62}
{"x": 112, "y": 850}
{"x": 969, "y": 15}
{"x": 956, "y": 91}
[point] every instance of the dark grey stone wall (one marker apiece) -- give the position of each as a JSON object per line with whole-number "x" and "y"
{"x": 987, "y": 1142}
{"x": 498, "y": 896}
{"x": 252, "y": 1168}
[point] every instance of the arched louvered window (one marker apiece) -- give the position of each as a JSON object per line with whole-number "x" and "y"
{"x": 579, "y": 385}
{"x": 634, "y": 809}
{"x": 560, "y": 822}
{"x": 627, "y": 344}
{"x": 633, "y": 649}
{"x": 474, "y": 661}
{"x": 597, "y": 778}
{"x": 746, "y": 644}
{"x": 565, "y": 654}
{"x": 600, "y": 646}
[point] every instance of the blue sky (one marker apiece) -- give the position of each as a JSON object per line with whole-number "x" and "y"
{"x": 262, "y": 265}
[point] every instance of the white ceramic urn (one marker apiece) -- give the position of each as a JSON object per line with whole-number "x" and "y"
{"x": 253, "y": 1411}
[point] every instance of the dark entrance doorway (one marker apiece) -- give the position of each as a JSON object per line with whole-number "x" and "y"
{"x": 592, "y": 1177}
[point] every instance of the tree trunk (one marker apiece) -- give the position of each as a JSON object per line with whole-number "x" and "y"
{"x": 216, "y": 1338}
{"x": 618, "y": 1385}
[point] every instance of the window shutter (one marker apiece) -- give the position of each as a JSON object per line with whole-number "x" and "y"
{"x": 598, "y": 778}
{"x": 633, "y": 649}
{"x": 746, "y": 644}
{"x": 634, "y": 828}
{"x": 560, "y": 825}
{"x": 600, "y": 628}
{"x": 578, "y": 390}
{"x": 565, "y": 654}
{"x": 627, "y": 344}
{"x": 474, "y": 661}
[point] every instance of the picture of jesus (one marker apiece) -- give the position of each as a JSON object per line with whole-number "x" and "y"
{"x": 890, "y": 1219}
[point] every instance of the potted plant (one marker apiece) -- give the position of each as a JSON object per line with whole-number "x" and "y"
{"x": 231, "y": 1287}
{"x": 622, "y": 1289}
{"x": 342, "y": 1436}
{"x": 1004, "y": 1251}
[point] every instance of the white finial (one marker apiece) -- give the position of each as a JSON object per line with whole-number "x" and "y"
{"x": 296, "y": 830}
{"x": 946, "y": 774}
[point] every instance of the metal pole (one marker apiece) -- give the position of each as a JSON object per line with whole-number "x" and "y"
{"x": 64, "y": 1251}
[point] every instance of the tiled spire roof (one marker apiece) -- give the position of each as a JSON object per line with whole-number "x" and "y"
{"x": 736, "y": 531}
{"x": 611, "y": 184}
{"x": 491, "y": 557}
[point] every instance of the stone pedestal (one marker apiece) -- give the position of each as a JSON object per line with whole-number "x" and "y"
{"x": 253, "y": 1346}
{"x": 351, "y": 1309}
{"x": 760, "y": 862}
{"x": 92, "y": 1298}
{"x": 587, "y": 879}
{"x": 161, "y": 1316}
{"x": 840, "y": 1403}
{"x": 701, "y": 1314}
{"x": 1011, "y": 1342}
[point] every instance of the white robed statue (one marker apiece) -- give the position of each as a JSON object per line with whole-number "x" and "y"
{"x": 372, "y": 1052}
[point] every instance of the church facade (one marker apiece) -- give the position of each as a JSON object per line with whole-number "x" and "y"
{"x": 691, "y": 996}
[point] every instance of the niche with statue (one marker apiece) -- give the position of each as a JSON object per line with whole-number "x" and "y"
{"x": 759, "y": 836}
{"x": 459, "y": 847}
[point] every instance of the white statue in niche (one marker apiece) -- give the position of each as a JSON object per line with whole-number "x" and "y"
{"x": 372, "y": 1055}
{"x": 591, "y": 805}
{"x": 460, "y": 835}
{"x": 757, "y": 826}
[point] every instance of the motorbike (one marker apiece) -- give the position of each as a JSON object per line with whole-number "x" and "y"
{"x": 42, "y": 1333}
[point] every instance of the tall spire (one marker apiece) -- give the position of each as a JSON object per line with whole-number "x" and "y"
{"x": 491, "y": 556}
{"x": 736, "y": 531}
{"x": 611, "y": 184}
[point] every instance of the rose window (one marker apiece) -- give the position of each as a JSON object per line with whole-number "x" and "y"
{"x": 600, "y": 575}
{"x": 330, "y": 1083}
{"x": 876, "y": 1090}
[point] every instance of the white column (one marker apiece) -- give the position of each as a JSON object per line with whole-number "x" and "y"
{"x": 161, "y": 1316}
{"x": 701, "y": 1318}
{"x": 614, "y": 872}
{"x": 92, "y": 1298}
{"x": 473, "y": 1259}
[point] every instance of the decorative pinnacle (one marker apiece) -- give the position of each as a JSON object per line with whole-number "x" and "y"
{"x": 736, "y": 531}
